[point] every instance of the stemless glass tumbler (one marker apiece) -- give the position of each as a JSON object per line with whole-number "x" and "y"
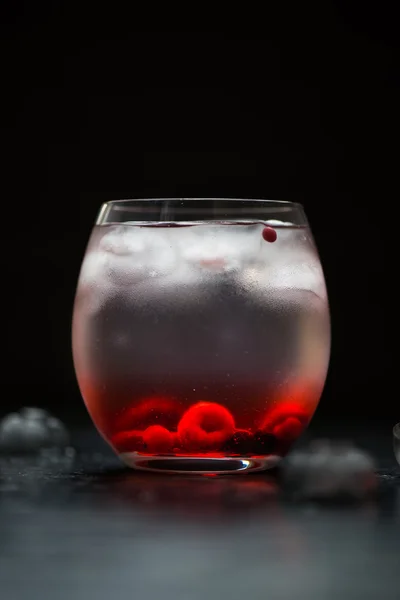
{"x": 201, "y": 332}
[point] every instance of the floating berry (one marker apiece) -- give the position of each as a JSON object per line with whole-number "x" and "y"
{"x": 269, "y": 234}
{"x": 158, "y": 439}
{"x": 264, "y": 443}
{"x": 240, "y": 443}
{"x": 128, "y": 441}
{"x": 206, "y": 425}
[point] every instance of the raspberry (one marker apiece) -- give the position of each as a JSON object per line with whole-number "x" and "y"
{"x": 128, "y": 441}
{"x": 206, "y": 425}
{"x": 194, "y": 439}
{"x": 289, "y": 430}
{"x": 158, "y": 439}
{"x": 280, "y": 414}
{"x": 152, "y": 411}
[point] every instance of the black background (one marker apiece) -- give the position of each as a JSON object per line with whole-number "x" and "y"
{"x": 301, "y": 106}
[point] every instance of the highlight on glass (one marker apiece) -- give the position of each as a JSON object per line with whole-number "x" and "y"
{"x": 201, "y": 332}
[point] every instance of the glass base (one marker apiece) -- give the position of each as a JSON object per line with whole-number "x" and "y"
{"x": 193, "y": 465}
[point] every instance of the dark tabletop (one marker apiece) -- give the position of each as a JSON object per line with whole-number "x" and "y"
{"x": 90, "y": 529}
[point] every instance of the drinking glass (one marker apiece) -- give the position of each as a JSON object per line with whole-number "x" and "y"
{"x": 201, "y": 332}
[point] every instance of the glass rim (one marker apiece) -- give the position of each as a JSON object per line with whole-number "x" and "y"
{"x": 190, "y": 210}
{"x": 396, "y": 431}
{"x": 271, "y": 202}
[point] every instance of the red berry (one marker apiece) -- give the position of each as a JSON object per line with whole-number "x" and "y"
{"x": 176, "y": 442}
{"x": 151, "y": 411}
{"x": 158, "y": 439}
{"x": 281, "y": 413}
{"x": 193, "y": 438}
{"x": 269, "y": 234}
{"x": 289, "y": 430}
{"x": 206, "y": 425}
{"x": 128, "y": 441}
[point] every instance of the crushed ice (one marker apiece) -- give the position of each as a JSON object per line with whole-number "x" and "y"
{"x": 126, "y": 256}
{"x": 329, "y": 470}
{"x": 32, "y": 431}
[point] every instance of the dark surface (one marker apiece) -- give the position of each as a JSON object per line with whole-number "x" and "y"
{"x": 96, "y": 530}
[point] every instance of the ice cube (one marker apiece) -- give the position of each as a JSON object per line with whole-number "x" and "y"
{"x": 329, "y": 470}
{"x": 284, "y": 281}
{"x": 125, "y": 256}
{"x": 11, "y": 432}
{"x": 277, "y": 223}
{"x": 19, "y": 434}
{"x": 300, "y": 275}
{"x": 31, "y": 430}
{"x": 131, "y": 254}
{"x": 37, "y": 414}
{"x": 220, "y": 247}
{"x": 57, "y": 432}
{"x": 93, "y": 269}
{"x": 289, "y": 264}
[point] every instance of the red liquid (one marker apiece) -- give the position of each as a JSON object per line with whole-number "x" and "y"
{"x": 169, "y": 426}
